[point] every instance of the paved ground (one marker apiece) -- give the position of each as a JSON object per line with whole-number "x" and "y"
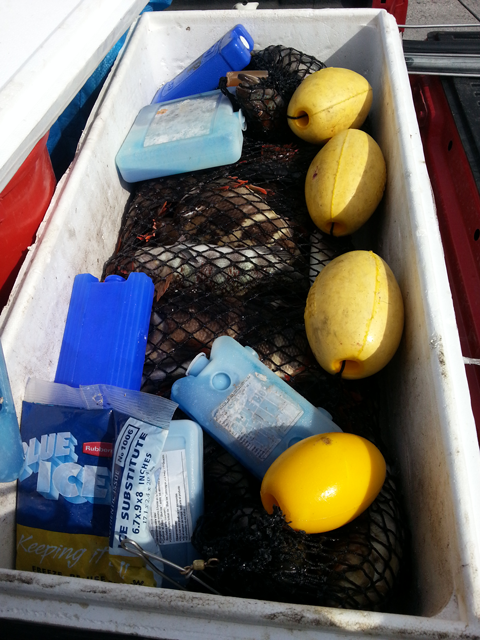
{"x": 435, "y": 12}
{"x": 420, "y": 12}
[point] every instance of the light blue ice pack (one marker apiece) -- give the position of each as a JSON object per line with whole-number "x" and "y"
{"x": 178, "y": 501}
{"x": 246, "y": 407}
{"x": 197, "y": 132}
{"x": 11, "y": 450}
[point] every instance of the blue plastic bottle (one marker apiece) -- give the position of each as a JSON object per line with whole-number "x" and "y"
{"x": 106, "y": 331}
{"x": 11, "y": 448}
{"x": 230, "y": 53}
{"x": 246, "y": 407}
{"x": 178, "y": 500}
{"x": 183, "y": 135}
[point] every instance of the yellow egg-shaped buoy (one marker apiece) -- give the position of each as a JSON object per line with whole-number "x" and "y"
{"x": 354, "y": 315}
{"x": 324, "y": 481}
{"x": 345, "y": 182}
{"x": 328, "y": 102}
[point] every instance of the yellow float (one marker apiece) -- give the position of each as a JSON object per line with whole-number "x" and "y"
{"x": 354, "y": 315}
{"x": 328, "y": 102}
{"x": 345, "y": 182}
{"x": 324, "y": 481}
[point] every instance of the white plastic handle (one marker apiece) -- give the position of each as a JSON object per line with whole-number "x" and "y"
{"x": 250, "y": 6}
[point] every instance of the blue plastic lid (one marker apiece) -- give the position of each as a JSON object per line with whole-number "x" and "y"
{"x": 105, "y": 336}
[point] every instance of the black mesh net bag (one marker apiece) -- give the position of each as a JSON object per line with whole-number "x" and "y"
{"x": 356, "y": 566}
{"x": 232, "y": 251}
{"x": 264, "y": 101}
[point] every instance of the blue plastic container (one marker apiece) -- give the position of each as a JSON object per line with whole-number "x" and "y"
{"x": 183, "y": 135}
{"x": 230, "y": 53}
{"x": 246, "y": 407}
{"x": 104, "y": 343}
{"x": 106, "y": 331}
{"x": 178, "y": 500}
{"x": 11, "y": 448}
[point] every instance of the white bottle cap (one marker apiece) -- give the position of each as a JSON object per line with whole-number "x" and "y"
{"x": 197, "y": 364}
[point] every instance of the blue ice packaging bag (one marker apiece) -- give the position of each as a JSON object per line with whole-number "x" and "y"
{"x": 231, "y": 53}
{"x": 92, "y": 456}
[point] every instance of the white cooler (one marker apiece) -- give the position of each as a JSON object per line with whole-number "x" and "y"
{"x": 426, "y": 404}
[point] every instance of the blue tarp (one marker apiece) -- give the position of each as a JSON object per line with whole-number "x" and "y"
{"x": 66, "y": 131}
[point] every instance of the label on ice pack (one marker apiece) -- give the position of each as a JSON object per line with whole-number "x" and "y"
{"x": 136, "y": 462}
{"x": 258, "y": 415}
{"x": 170, "y": 519}
{"x": 137, "y": 459}
{"x": 182, "y": 120}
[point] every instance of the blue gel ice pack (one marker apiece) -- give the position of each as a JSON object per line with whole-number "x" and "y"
{"x": 231, "y": 53}
{"x": 106, "y": 331}
{"x": 177, "y": 136}
{"x": 246, "y": 407}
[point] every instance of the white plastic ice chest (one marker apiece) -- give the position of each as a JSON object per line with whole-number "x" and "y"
{"x": 427, "y": 412}
{"x": 48, "y": 50}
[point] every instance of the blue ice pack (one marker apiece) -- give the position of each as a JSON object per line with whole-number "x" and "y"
{"x": 11, "y": 450}
{"x": 178, "y": 500}
{"x": 106, "y": 331}
{"x": 188, "y": 134}
{"x": 246, "y": 407}
{"x": 231, "y": 53}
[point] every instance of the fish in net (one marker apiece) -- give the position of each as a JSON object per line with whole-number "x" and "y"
{"x": 232, "y": 251}
{"x": 229, "y": 251}
{"x": 264, "y": 101}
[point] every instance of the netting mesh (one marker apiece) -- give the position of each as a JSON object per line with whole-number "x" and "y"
{"x": 356, "y": 566}
{"x": 229, "y": 252}
{"x": 264, "y": 102}
{"x": 232, "y": 251}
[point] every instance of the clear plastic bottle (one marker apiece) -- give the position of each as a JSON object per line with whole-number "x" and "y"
{"x": 246, "y": 407}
